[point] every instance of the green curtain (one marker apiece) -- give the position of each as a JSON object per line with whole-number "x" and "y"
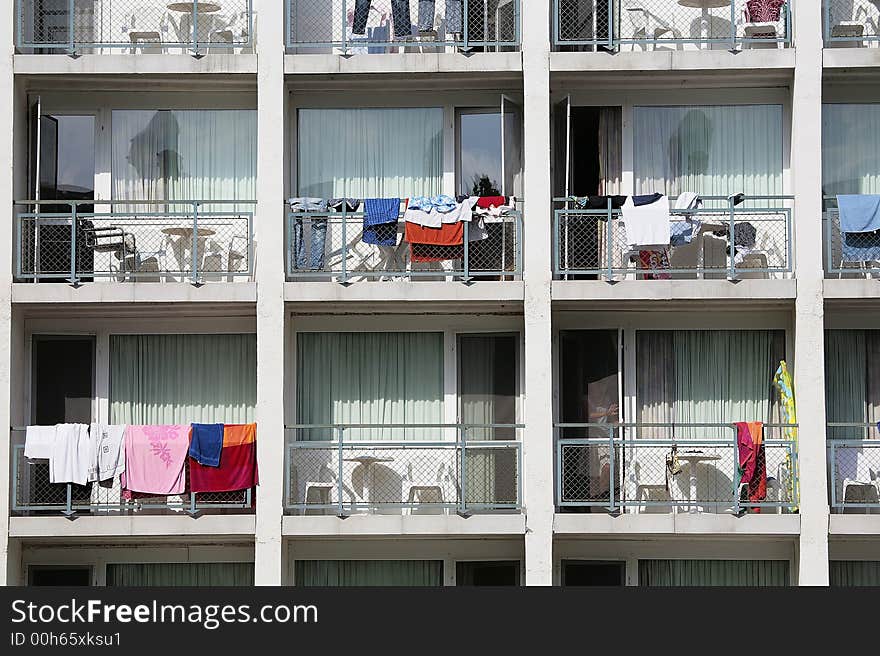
{"x": 848, "y": 573}
{"x": 370, "y": 378}
{"x": 846, "y": 381}
{"x": 341, "y": 573}
{"x": 178, "y": 379}
{"x": 665, "y": 572}
{"x": 180, "y": 574}
{"x": 850, "y": 149}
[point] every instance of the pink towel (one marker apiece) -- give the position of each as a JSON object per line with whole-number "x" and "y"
{"x": 154, "y": 459}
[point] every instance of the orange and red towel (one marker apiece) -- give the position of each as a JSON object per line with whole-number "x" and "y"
{"x": 238, "y": 463}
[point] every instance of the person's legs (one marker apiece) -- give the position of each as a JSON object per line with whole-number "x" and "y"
{"x": 299, "y": 247}
{"x": 426, "y": 15}
{"x": 453, "y": 16}
{"x": 319, "y": 239}
{"x": 361, "y": 15}
{"x": 401, "y": 18}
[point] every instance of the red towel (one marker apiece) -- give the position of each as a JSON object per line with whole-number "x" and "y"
{"x": 752, "y": 459}
{"x": 448, "y": 234}
{"x": 485, "y": 202}
{"x": 238, "y": 463}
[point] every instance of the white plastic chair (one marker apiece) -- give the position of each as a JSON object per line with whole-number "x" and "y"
{"x": 320, "y": 492}
{"x": 147, "y": 28}
{"x": 649, "y": 28}
{"x": 415, "y": 492}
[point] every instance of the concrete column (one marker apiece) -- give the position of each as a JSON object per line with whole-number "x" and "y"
{"x": 809, "y": 366}
{"x": 269, "y": 230}
{"x": 538, "y": 406}
{"x": 9, "y": 563}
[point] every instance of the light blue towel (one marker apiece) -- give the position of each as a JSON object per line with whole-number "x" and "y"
{"x": 859, "y": 212}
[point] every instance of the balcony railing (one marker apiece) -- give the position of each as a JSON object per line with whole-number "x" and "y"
{"x": 136, "y": 26}
{"x": 330, "y": 246}
{"x": 854, "y": 467}
{"x": 851, "y": 23}
{"x": 593, "y": 243}
{"x": 386, "y": 26}
{"x": 403, "y": 469}
{"x": 129, "y": 241}
{"x": 33, "y": 494}
{"x": 670, "y": 24}
{"x": 849, "y": 254}
{"x": 669, "y": 467}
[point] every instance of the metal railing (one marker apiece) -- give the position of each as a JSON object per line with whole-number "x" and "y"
{"x": 670, "y": 24}
{"x": 851, "y": 23}
{"x": 666, "y": 467}
{"x": 854, "y": 467}
{"x": 382, "y": 26}
{"x": 33, "y": 493}
{"x": 851, "y": 254}
{"x": 593, "y": 242}
{"x": 329, "y": 245}
{"x": 343, "y": 469}
{"x": 148, "y": 241}
{"x": 139, "y": 26}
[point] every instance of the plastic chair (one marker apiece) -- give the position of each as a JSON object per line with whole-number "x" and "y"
{"x": 764, "y": 19}
{"x": 415, "y": 492}
{"x": 649, "y": 27}
{"x": 147, "y": 28}
{"x": 320, "y": 492}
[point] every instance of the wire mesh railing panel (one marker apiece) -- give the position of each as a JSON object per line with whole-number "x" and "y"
{"x": 393, "y": 477}
{"x": 701, "y": 472}
{"x": 137, "y": 25}
{"x": 124, "y": 244}
{"x": 704, "y": 243}
{"x": 383, "y": 26}
{"x": 851, "y": 23}
{"x": 671, "y": 24}
{"x": 850, "y": 254}
{"x": 333, "y": 246}
{"x": 853, "y": 469}
{"x": 34, "y": 493}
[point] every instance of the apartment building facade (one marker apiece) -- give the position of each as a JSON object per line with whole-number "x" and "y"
{"x": 534, "y": 403}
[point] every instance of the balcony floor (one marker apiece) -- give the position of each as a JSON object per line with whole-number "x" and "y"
{"x": 654, "y": 524}
{"x": 134, "y": 292}
{"x": 139, "y": 526}
{"x": 499, "y": 524}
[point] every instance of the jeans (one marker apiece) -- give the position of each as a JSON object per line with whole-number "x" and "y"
{"x": 319, "y": 239}
{"x": 426, "y": 14}
{"x": 399, "y": 13}
{"x": 454, "y": 21}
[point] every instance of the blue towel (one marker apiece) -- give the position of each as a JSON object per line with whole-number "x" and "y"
{"x": 380, "y": 221}
{"x": 206, "y": 444}
{"x": 681, "y": 233}
{"x": 860, "y": 247}
{"x": 859, "y": 212}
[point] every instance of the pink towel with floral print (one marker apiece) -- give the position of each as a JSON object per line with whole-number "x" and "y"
{"x": 154, "y": 460}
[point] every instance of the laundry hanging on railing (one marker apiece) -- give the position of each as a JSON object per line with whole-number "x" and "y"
{"x": 155, "y": 460}
{"x": 380, "y": 221}
{"x": 108, "y": 444}
{"x": 859, "y": 226}
{"x": 752, "y": 460}
{"x": 237, "y": 467}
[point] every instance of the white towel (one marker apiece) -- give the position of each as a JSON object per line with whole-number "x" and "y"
{"x": 71, "y": 454}
{"x": 647, "y": 225}
{"x": 688, "y": 200}
{"x": 108, "y": 451}
{"x": 38, "y": 441}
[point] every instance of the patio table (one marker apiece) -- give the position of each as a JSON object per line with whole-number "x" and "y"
{"x": 705, "y": 6}
{"x": 693, "y": 458}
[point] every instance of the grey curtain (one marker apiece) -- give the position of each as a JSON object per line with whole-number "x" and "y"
{"x": 180, "y": 574}
{"x": 849, "y": 573}
{"x": 344, "y": 573}
{"x": 761, "y": 573}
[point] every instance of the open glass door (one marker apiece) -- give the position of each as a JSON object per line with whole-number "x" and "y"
{"x": 561, "y": 179}
{"x": 511, "y": 147}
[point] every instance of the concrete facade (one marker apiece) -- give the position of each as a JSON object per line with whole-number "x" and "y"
{"x": 535, "y": 308}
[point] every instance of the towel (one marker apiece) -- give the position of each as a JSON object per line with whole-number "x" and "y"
{"x": 687, "y": 200}
{"x": 38, "y": 441}
{"x": 71, "y": 456}
{"x": 859, "y": 212}
{"x": 860, "y": 247}
{"x": 154, "y": 459}
{"x": 380, "y": 221}
{"x": 485, "y": 202}
{"x": 108, "y": 451}
{"x": 206, "y": 443}
{"x": 238, "y": 466}
{"x": 647, "y": 225}
{"x": 752, "y": 466}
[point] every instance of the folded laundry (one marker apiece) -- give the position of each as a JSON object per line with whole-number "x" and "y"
{"x": 238, "y": 464}
{"x": 38, "y": 441}
{"x": 154, "y": 459}
{"x": 206, "y": 444}
{"x": 108, "y": 451}
{"x": 71, "y": 454}
{"x": 859, "y": 212}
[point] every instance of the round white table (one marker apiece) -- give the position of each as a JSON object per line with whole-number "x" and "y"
{"x": 191, "y": 7}
{"x": 705, "y": 5}
{"x": 693, "y": 458}
{"x": 368, "y": 462}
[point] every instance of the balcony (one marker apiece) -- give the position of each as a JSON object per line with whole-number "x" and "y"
{"x": 33, "y": 495}
{"x": 854, "y": 468}
{"x": 629, "y": 25}
{"x": 352, "y": 27}
{"x": 417, "y": 469}
{"x": 851, "y": 23}
{"x": 592, "y": 243}
{"x": 134, "y": 26}
{"x": 668, "y": 468}
{"x": 330, "y": 246}
{"x": 134, "y": 241}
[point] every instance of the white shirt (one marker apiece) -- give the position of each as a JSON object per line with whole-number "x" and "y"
{"x": 647, "y": 225}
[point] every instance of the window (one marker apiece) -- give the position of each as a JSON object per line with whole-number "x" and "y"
{"x": 749, "y": 573}
{"x": 490, "y": 150}
{"x": 852, "y": 382}
{"x": 710, "y": 150}
{"x": 67, "y": 159}
{"x": 502, "y": 572}
{"x": 59, "y": 575}
{"x": 850, "y": 149}
{"x": 180, "y": 574}
{"x": 418, "y": 573}
{"x": 849, "y": 573}
{"x": 593, "y": 573}
{"x": 370, "y": 153}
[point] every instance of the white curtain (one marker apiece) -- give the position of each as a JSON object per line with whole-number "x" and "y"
{"x": 178, "y": 379}
{"x": 850, "y": 149}
{"x": 370, "y": 378}
{"x": 710, "y": 150}
{"x": 180, "y": 574}
{"x": 747, "y": 573}
{"x": 184, "y": 155}
{"x": 370, "y": 153}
